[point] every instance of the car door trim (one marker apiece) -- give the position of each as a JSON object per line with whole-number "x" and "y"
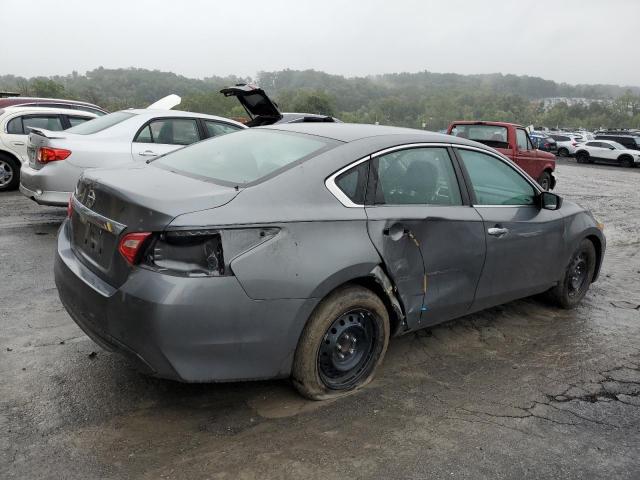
{"x": 331, "y": 185}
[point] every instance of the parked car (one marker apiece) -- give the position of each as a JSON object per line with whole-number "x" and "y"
{"x": 52, "y": 103}
{"x": 566, "y": 143}
{"x": 297, "y": 250}
{"x": 512, "y": 141}
{"x": 264, "y": 111}
{"x": 629, "y": 141}
{"x": 607, "y": 151}
{"x": 544, "y": 143}
{"x": 57, "y": 159}
{"x": 15, "y": 125}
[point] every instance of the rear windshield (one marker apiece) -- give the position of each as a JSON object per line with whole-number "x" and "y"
{"x": 98, "y": 124}
{"x": 245, "y": 156}
{"x": 491, "y": 135}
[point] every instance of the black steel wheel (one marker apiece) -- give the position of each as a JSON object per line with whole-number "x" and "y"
{"x": 342, "y": 344}
{"x": 545, "y": 180}
{"x": 577, "y": 277}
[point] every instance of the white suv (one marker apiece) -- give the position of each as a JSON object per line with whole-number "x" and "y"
{"x": 15, "y": 124}
{"x": 607, "y": 151}
{"x": 567, "y": 143}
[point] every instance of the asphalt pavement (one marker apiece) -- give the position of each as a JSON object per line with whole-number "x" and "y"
{"x": 523, "y": 390}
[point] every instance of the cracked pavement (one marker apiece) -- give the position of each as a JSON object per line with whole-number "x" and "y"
{"x": 522, "y": 390}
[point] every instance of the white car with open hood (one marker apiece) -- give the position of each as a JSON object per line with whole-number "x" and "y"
{"x": 57, "y": 159}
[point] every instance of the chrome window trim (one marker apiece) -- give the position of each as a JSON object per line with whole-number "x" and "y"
{"x": 330, "y": 182}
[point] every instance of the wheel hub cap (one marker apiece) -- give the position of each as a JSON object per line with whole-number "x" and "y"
{"x": 577, "y": 273}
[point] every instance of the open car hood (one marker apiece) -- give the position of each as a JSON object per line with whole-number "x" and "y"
{"x": 166, "y": 103}
{"x": 261, "y": 109}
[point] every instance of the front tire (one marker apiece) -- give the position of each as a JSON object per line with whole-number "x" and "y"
{"x": 577, "y": 277}
{"x": 342, "y": 345}
{"x": 626, "y": 161}
{"x": 582, "y": 157}
{"x": 9, "y": 173}
{"x": 545, "y": 180}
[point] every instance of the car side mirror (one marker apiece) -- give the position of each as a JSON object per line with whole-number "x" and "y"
{"x": 612, "y": 148}
{"x": 550, "y": 201}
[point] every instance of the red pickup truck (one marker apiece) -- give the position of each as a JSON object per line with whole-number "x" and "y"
{"x": 512, "y": 141}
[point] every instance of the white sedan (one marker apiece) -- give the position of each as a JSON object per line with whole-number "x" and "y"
{"x": 57, "y": 159}
{"x": 607, "y": 151}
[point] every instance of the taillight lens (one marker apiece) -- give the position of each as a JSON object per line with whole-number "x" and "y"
{"x": 46, "y": 154}
{"x": 131, "y": 244}
{"x": 574, "y": 144}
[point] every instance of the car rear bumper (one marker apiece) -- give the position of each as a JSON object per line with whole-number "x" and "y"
{"x": 50, "y": 185}
{"x": 186, "y": 329}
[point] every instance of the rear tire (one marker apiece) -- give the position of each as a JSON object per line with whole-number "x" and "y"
{"x": 582, "y": 157}
{"x": 563, "y": 152}
{"x": 9, "y": 173}
{"x": 545, "y": 180}
{"x": 342, "y": 345}
{"x": 577, "y": 277}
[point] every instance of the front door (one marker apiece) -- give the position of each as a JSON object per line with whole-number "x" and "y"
{"x": 431, "y": 241}
{"x": 524, "y": 242}
{"x": 526, "y": 155}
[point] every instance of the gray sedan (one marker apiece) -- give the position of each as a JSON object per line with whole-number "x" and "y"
{"x": 298, "y": 250}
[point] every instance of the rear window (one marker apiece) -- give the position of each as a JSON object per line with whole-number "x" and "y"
{"x": 560, "y": 138}
{"x": 491, "y": 135}
{"x": 102, "y": 123}
{"x": 244, "y": 157}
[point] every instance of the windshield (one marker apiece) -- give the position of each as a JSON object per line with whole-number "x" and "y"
{"x": 101, "y": 123}
{"x": 491, "y": 135}
{"x": 244, "y": 157}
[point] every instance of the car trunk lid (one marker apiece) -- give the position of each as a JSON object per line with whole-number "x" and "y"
{"x": 261, "y": 109}
{"x": 110, "y": 203}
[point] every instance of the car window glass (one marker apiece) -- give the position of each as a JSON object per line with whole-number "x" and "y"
{"x": 175, "y": 131}
{"x": 15, "y": 126}
{"x": 353, "y": 182}
{"x": 77, "y": 120}
{"x": 216, "y": 128}
{"x": 144, "y": 135}
{"x": 521, "y": 138}
{"x": 47, "y": 122}
{"x": 494, "y": 182}
{"x": 492, "y": 135}
{"x": 102, "y": 123}
{"x": 416, "y": 176}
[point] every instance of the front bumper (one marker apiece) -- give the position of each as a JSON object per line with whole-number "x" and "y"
{"x": 186, "y": 329}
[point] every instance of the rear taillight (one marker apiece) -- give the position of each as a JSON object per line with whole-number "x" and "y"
{"x": 131, "y": 244}
{"x": 547, "y": 145}
{"x": 574, "y": 144}
{"x": 46, "y": 154}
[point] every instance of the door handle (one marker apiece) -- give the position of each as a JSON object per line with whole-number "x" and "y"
{"x": 18, "y": 144}
{"x": 147, "y": 153}
{"x": 498, "y": 232}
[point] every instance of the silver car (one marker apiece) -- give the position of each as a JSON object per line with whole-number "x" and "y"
{"x": 57, "y": 159}
{"x": 297, "y": 250}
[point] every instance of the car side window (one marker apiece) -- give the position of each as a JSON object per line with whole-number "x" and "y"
{"x": 47, "y": 122}
{"x": 522, "y": 140}
{"x": 416, "y": 176}
{"x": 14, "y": 126}
{"x": 353, "y": 183}
{"x": 494, "y": 182}
{"x": 77, "y": 120}
{"x": 170, "y": 131}
{"x": 215, "y": 129}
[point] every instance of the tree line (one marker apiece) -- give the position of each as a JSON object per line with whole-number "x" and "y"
{"x": 420, "y": 100}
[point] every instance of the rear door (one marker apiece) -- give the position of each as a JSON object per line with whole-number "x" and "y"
{"x": 163, "y": 135}
{"x": 430, "y": 238}
{"x": 524, "y": 242}
{"x": 19, "y": 127}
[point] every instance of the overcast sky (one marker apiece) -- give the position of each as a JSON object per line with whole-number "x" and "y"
{"x": 588, "y": 41}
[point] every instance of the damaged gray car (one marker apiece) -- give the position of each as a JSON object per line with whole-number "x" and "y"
{"x": 298, "y": 250}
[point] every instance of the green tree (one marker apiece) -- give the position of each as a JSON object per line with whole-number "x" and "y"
{"x": 44, "y": 87}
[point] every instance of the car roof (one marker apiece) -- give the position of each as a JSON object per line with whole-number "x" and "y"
{"x": 56, "y": 110}
{"x": 147, "y": 112}
{"x": 349, "y": 132}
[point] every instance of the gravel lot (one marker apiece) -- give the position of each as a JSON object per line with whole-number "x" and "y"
{"x": 519, "y": 391}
